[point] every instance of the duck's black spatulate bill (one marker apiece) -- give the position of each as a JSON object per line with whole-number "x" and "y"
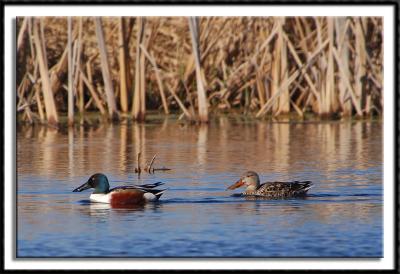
{"x": 82, "y": 187}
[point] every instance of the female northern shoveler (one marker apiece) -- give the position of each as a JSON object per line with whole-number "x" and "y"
{"x": 136, "y": 194}
{"x": 272, "y": 190}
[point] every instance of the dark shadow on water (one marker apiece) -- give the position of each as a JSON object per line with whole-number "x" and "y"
{"x": 228, "y": 201}
{"x": 238, "y": 198}
{"x": 344, "y": 195}
{"x": 102, "y": 207}
{"x": 84, "y": 202}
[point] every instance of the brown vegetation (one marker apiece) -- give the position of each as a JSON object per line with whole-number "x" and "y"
{"x": 197, "y": 66}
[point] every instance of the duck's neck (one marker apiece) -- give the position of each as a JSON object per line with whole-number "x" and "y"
{"x": 102, "y": 188}
{"x": 251, "y": 189}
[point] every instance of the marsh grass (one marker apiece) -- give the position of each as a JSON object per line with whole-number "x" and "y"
{"x": 197, "y": 67}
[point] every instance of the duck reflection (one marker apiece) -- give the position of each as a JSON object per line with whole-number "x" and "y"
{"x": 99, "y": 210}
{"x": 103, "y": 211}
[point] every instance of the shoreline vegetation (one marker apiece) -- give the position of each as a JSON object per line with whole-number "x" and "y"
{"x": 194, "y": 68}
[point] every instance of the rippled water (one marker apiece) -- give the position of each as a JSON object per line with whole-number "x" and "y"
{"x": 196, "y": 217}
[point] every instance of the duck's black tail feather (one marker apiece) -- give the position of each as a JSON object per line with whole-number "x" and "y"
{"x": 159, "y": 193}
{"x": 304, "y": 186}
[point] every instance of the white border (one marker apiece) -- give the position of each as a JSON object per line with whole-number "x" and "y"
{"x": 86, "y": 10}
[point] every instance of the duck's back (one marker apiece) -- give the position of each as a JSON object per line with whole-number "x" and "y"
{"x": 282, "y": 189}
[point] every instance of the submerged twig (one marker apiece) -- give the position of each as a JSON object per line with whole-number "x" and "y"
{"x": 161, "y": 169}
{"x": 148, "y": 167}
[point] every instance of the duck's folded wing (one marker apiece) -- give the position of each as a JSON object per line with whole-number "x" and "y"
{"x": 122, "y": 188}
{"x": 296, "y": 186}
{"x": 150, "y": 185}
{"x": 138, "y": 188}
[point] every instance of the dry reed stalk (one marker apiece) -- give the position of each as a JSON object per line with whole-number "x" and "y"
{"x": 300, "y": 64}
{"x": 158, "y": 76}
{"x": 39, "y": 104}
{"x": 27, "y": 112}
{"x": 78, "y": 57}
{"x": 51, "y": 112}
{"x": 236, "y": 72}
{"x": 139, "y": 92}
{"x": 189, "y": 98}
{"x": 293, "y": 90}
{"x": 89, "y": 71}
{"x": 297, "y": 109}
{"x": 93, "y": 92}
{"x": 359, "y": 61}
{"x": 145, "y": 42}
{"x": 181, "y": 105}
{"x": 298, "y": 25}
{"x": 260, "y": 87}
{"x": 329, "y": 105}
{"x": 81, "y": 95}
{"x": 240, "y": 58}
{"x": 23, "y": 86}
{"x": 276, "y": 95}
{"x": 43, "y": 41}
{"x": 22, "y": 34}
{"x": 30, "y": 35}
{"x": 128, "y": 36}
{"x": 112, "y": 107}
{"x": 347, "y": 82}
{"x": 343, "y": 44}
{"x": 201, "y": 93}
{"x": 122, "y": 65}
{"x": 275, "y": 71}
{"x": 284, "y": 102}
{"x": 70, "y": 83}
{"x": 203, "y": 40}
{"x": 60, "y": 68}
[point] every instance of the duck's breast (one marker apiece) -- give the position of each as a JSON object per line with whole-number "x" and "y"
{"x": 100, "y": 198}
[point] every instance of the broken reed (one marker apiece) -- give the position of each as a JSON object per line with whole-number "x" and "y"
{"x": 148, "y": 167}
{"x": 197, "y": 66}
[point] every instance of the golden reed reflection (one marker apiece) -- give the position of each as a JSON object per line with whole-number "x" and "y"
{"x": 123, "y": 151}
{"x": 223, "y": 146}
{"x": 202, "y": 146}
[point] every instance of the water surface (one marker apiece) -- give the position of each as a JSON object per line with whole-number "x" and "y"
{"x": 196, "y": 217}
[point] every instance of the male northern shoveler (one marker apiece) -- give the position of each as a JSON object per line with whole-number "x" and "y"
{"x": 121, "y": 195}
{"x": 271, "y": 190}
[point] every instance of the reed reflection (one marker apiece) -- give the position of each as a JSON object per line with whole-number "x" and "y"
{"x": 202, "y": 147}
{"x": 222, "y": 147}
{"x": 123, "y": 149}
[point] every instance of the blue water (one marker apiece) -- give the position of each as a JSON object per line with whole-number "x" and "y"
{"x": 196, "y": 217}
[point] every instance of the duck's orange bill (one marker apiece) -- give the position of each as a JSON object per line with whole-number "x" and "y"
{"x": 236, "y": 185}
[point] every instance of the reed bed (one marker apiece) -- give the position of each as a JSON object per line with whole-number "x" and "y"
{"x": 270, "y": 66}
